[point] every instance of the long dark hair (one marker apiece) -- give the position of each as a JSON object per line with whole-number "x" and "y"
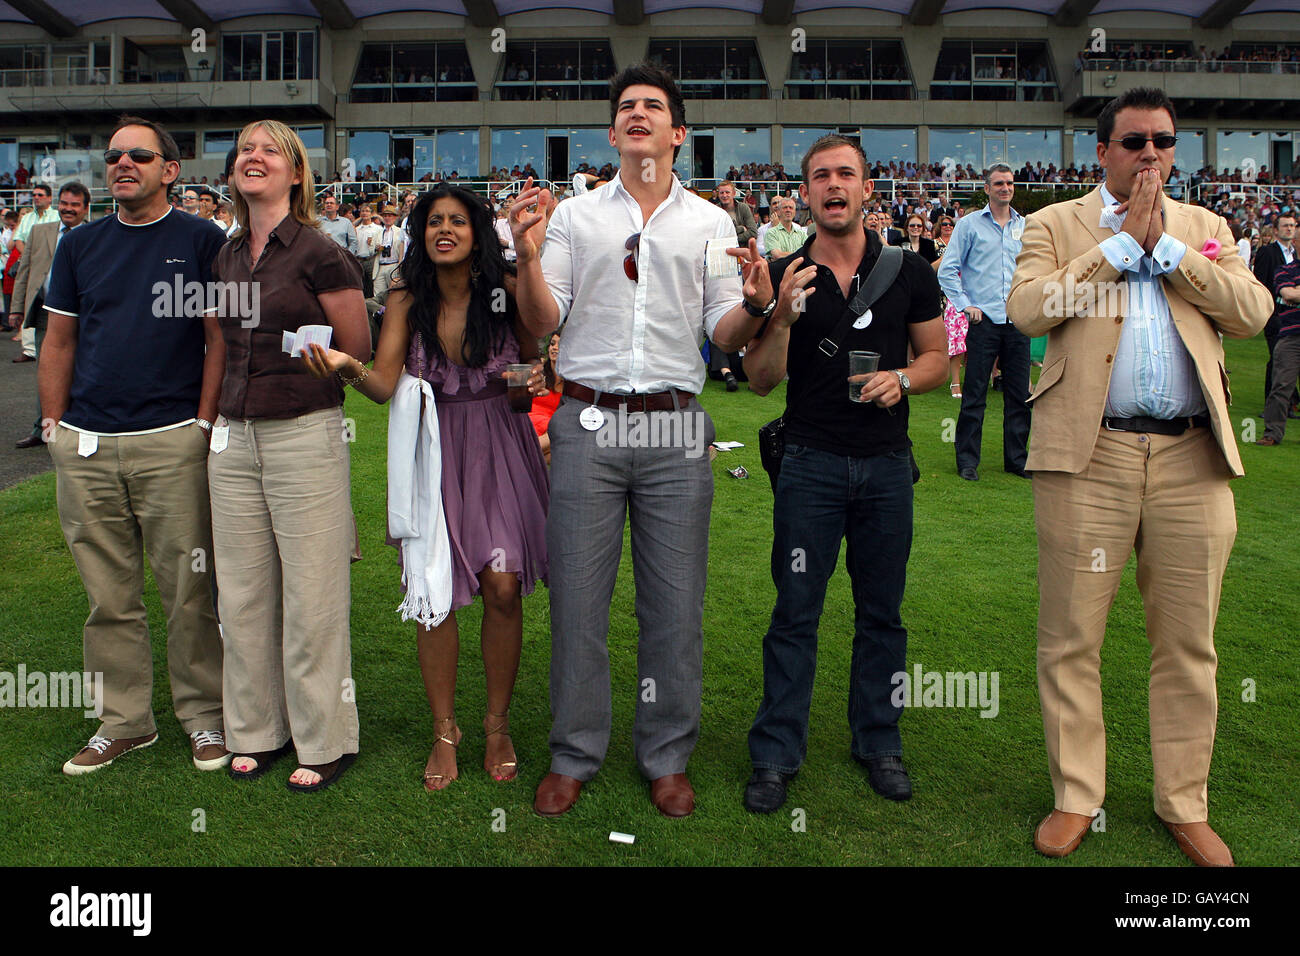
{"x": 485, "y": 328}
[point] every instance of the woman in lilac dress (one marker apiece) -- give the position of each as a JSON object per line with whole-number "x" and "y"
{"x": 450, "y": 321}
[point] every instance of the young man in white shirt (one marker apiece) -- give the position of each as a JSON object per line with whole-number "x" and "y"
{"x": 631, "y": 363}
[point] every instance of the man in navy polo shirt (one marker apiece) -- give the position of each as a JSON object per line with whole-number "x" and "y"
{"x": 129, "y": 392}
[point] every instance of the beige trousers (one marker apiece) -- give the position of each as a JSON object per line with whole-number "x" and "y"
{"x": 137, "y": 495}
{"x": 1168, "y": 498}
{"x": 282, "y": 529}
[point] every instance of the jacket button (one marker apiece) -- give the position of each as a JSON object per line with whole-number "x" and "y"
{"x": 1108, "y": 358}
{"x": 1119, "y": 320}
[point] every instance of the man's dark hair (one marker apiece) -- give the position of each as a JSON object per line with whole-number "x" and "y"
{"x": 210, "y": 193}
{"x": 643, "y": 74}
{"x": 1140, "y": 97}
{"x": 166, "y": 144}
{"x": 833, "y": 141}
{"x": 43, "y": 188}
{"x": 230, "y": 161}
{"x": 77, "y": 189}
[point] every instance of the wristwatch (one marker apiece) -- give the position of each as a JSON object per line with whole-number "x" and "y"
{"x": 757, "y": 312}
{"x": 904, "y": 382}
{"x": 205, "y": 425}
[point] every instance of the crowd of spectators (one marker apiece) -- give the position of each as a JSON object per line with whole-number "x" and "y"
{"x": 1181, "y": 58}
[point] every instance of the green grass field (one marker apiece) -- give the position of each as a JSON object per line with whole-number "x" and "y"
{"x": 981, "y": 784}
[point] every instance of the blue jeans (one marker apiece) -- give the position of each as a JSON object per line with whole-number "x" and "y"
{"x": 821, "y": 498}
{"x": 987, "y": 343}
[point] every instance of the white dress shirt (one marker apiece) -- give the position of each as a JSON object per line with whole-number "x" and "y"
{"x": 644, "y": 336}
{"x": 368, "y": 239}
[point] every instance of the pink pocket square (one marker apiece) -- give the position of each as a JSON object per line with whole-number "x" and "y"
{"x": 1211, "y": 249}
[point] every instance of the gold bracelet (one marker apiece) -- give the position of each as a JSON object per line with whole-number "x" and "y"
{"x": 364, "y": 374}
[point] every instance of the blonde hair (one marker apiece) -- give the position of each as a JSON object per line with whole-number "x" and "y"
{"x": 301, "y": 204}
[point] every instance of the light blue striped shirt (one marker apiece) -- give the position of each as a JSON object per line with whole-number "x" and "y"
{"x": 1154, "y": 374}
{"x": 980, "y": 272}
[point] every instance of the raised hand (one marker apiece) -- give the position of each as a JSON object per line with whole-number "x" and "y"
{"x": 791, "y": 296}
{"x": 529, "y": 214}
{"x": 754, "y": 274}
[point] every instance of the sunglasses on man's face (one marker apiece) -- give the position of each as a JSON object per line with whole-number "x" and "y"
{"x": 139, "y": 155}
{"x": 1136, "y": 142}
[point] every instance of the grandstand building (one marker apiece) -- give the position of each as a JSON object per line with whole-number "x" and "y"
{"x": 414, "y": 88}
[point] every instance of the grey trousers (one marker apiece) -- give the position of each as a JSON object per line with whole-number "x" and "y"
{"x": 598, "y": 479}
{"x": 1286, "y": 368}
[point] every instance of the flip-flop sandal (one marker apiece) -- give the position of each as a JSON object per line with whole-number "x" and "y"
{"x": 264, "y": 761}
{"x": 345, "y": 761}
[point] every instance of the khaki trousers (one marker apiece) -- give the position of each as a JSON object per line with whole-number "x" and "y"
{"x": 282, "y": 529}
{"x": 143, "y": 494}
{"x": 1168, "y": 498}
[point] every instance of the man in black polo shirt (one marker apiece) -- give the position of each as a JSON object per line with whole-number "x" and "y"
{"x": 128, "y": 380}
{"x": 846, "y": 473}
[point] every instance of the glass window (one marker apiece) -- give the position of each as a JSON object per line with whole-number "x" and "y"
{"x": 275, "y": 58}
{"x": 962, "y": 146}
{"x": 1189, "y": 154}
{"x": 413, "y": 73}
{"x": 458, "y": 153}
{"x": 993, "y": 70}
{"x": 889, "y": 145}
{"x": 712, "y": 69}
{"x": 591, "y": 146}
{"x": 736, "y": 147}
{"x": 306, "y": 55}
{"x": 1234, "y": 147}
{"x": 1085, "y": 146}
{"x": 1033, "y": 146}
{"x": 219, "y": 142}
{"x": 313, "y": 137}
{"x": 568, "y": 70}
{"x": 185, "y": 142}
{"x": 795, "y": 141}
{"x": 369, "y": 150}
{"x": 856, "y": 70}
{"x": 517, "y": 147}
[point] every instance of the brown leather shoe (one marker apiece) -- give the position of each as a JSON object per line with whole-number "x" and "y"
{"x": 556, "y": 795}
{"x": 1200, "y": 844}
{"x": 24, "y": 357}
{"x": 1267, "y": 442}
{"x": 1060, "y": 833}
{"x": 672, "y": 795}
{"x": 31, "y": 441}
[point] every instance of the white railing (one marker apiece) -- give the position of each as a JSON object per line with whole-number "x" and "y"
{"x": 1192, "y": 65}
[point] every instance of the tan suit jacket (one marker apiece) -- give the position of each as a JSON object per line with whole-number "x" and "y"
{"x": 1060, "y": 248}
{"x": 33, "y": 267}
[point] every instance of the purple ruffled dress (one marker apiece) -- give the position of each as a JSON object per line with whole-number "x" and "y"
{"x": 495, "y": 489}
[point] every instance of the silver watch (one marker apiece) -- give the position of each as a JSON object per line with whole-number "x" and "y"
{"x": 904, "y": 382}
{"x": 205, "y": 425}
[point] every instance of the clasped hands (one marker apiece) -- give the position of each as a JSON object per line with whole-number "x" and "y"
{"x": 1145, "y": 220}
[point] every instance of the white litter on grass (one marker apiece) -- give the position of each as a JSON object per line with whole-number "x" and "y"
{"x": 616, "y": 837}
{"x": 727, "y": 445}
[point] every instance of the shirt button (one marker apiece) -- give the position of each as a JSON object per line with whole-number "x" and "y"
{"x": 1166, "y": 263}
{"x": 1142, "y": 437}
{"x": 1109, "y": 357}
{"x": 1119, "y": 319}
{"x": 1127, "y": 260}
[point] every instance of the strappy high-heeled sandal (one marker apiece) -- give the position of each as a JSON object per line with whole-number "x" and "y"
{"x": 443, "y": 727}
{"x": 507, "y": 770}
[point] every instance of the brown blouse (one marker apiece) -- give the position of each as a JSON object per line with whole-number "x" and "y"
{"x": 297, "y": 265}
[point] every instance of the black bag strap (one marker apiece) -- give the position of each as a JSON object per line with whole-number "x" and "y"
{"x": 882, "y": 276}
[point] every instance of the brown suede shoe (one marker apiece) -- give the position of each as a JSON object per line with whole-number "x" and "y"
{"x": 672, "y": 795}
{"x": 556, "y": 795}
{"x": 101, "y": 752}
{"x": 1200, "y": 844}
{"x": 1060, "y": 833}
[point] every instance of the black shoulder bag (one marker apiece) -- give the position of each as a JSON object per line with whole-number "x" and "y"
{"x": 771, "y": 437}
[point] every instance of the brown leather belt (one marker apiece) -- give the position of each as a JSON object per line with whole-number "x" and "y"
{"x": 646, "y": 402}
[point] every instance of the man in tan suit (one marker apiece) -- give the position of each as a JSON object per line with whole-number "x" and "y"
{"x": 33, "y": 272}
{"x": 1132, "y": 447}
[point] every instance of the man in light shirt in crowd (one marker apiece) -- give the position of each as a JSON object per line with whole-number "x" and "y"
{"x": 369, "y": 233}
{"x": 41, "y": 213}
{"x": 639, "y": 270}
{"x": 336, "y": 227}
{"x": 784, "y": 236}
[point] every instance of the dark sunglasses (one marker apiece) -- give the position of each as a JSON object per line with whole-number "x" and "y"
{"x": 138, "y": 155}
{"x": 1135, "y": 142}
{"x": 629, "y": 263}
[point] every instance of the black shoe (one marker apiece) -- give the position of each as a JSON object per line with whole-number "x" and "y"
{"x": 997, "y": 383}
{"x": 1018, "y": 472}
{"x": 31, "y": 441}
{"x": 730, "y": 379}
{"x": 888, "y": 777}
{"x": 765, "y": 792}
{"x": 970, "y": 474}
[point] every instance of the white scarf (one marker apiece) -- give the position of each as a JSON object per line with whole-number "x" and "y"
{"x": 415, "y": 515}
